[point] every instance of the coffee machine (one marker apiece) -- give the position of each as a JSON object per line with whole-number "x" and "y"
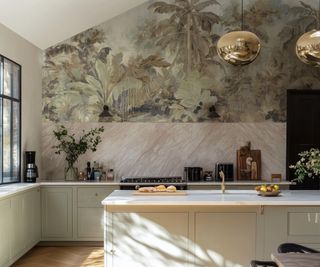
{"x": 31, "y": 172}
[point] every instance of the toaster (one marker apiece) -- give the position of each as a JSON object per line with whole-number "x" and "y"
{"x": 227, "y": 169}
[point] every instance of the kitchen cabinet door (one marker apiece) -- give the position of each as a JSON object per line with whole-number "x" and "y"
{"x": 18, "y": 233}
{"x": 90, "y": 212}
{"x": 31, "y": 215}
{"x": 56, "y": 215}
{"x": 304, "y": 225}
{"x": 149, "y": 239}
{"x": 90, "y": 224}
{"x": 5, "y": 225}
{"x": 225, "y": 239}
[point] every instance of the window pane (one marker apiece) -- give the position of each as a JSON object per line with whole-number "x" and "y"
{"x": 15, "y": 141}
{"x": 10, "y": 86}
{"x": 1, "y": 76}
{"x": 7, "y": 140}
{"x": 11, "y": 79}
{"x": 1, "y": 141}
{"x": 16, "y": 81}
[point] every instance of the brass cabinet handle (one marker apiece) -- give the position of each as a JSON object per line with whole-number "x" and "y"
{"x": 112, "y": 251}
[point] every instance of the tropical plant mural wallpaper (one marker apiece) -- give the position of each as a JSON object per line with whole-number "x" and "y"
{"x": 158, "y": 63}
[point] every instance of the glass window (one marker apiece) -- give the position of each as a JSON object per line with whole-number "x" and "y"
{"x": 10, "y": 106}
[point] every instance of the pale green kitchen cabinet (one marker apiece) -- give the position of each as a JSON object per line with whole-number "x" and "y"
{"x": 73, "y": 213}
{"x": 90, "y": 212}
{"x": 5, "y": 224}
{"x": 19, "y": 225}
{"x": 56, "y": 216}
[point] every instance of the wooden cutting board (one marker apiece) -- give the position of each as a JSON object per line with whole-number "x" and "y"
{"x": 241, "y": 165}
{"x": 177, "y": 193}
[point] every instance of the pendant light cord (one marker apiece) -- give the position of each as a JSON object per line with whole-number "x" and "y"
{"x": 242, "y": 16}
{"x": 318, "y": 22}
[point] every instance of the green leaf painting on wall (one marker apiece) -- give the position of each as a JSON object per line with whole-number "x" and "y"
{"x": 158, "y": 63}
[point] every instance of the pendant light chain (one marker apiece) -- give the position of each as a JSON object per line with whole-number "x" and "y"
{"x": 318, "y": 22}
{"x": 242, "y": 16}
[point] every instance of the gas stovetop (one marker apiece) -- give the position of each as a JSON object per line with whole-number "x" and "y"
{"x": 153, "y": 180}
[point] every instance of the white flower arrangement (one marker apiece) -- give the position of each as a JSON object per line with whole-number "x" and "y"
{"x": 308, "y": 165}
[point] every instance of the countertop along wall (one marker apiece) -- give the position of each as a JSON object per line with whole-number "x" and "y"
{"x": 29, "y": 57}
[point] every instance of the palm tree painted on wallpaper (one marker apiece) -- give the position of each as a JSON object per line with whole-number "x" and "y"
{"x": 90, "y": 77}
{"x": 116, "y": 89}
{"x": 187, "y": 30}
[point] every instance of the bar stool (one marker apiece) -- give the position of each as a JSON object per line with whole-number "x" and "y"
{"x": 256, "y": 263}
{"x": 295, "y": 248}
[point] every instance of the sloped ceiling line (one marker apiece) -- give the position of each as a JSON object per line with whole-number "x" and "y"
{"x": 47, "y": 22}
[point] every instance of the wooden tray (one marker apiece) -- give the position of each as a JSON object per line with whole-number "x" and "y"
{"x": 177, "y": 193}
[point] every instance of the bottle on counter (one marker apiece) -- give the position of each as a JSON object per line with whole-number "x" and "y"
{"x": 110, "y": 175}
{"x": 88, "y": 170}
{"x": 97, "y": 174}
{"x": 92, "y": 174}
{"x": 103, "y": 175}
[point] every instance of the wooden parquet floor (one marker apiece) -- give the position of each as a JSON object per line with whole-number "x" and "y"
{"x": 62, "y": 257}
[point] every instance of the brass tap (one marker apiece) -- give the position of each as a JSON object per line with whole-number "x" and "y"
{"x": 223, "y": 186}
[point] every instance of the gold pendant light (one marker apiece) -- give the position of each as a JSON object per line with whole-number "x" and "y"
{"x": 308, "y": 46}
{"x": 239, "y": 47}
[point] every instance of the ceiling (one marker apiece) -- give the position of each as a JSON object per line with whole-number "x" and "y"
{"x": 47, "y": 22}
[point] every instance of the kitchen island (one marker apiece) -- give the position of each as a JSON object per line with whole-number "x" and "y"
{"x": 206, "y": 228}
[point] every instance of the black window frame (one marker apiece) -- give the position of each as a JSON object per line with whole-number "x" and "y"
{"x": 12, "y": 100}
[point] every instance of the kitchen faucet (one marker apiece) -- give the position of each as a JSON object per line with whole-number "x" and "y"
{"x": 223, "y": 187}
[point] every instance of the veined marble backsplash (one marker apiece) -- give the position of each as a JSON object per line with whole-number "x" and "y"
{"x": 163, "y": 149}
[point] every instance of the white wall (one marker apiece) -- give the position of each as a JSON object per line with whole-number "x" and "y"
{"x": 29, "y": 57}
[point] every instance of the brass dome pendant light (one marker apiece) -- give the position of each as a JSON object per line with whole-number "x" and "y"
{"x": 239, "y": 47}
{"x": 308, "y": 45}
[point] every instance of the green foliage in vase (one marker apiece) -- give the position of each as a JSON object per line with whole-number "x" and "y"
{"x": 73, "y": 147}
{"x": 308, "y": 165}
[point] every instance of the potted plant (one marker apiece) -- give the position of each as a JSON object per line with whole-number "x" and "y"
{"x": 73, "y": 147}
{"x": 308, "y": 165}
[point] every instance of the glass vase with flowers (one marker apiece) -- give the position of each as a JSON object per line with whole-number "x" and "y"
{"x": 73, "y": 146}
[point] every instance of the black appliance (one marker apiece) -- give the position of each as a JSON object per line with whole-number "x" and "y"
{"x": 227, "y": 169}
{"x": 193, "y": 174}
{"x": 132, "y": 183}
{"x": 31, "y": 172}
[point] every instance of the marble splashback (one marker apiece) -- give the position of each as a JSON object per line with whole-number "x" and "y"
{"x": 156, "y": 149}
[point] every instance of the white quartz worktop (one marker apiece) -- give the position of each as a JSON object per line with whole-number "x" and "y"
{"x": 240, "y": 183}
{"x": 215, "y": 197}
{"x": 62, "y": 182}
{"x": 10, "y": 189}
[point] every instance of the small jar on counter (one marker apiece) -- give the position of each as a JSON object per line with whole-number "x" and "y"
{"x": 110, "y": 175}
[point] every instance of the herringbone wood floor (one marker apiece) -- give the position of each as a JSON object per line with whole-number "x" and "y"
{"x": 62, "y": 257}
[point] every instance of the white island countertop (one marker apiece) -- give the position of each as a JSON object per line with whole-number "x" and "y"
{"x": 215, "y": 198}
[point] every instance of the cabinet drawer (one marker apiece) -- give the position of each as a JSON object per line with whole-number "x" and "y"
{"x": 304, "y": 223}
{"x": 92, "y": 196}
